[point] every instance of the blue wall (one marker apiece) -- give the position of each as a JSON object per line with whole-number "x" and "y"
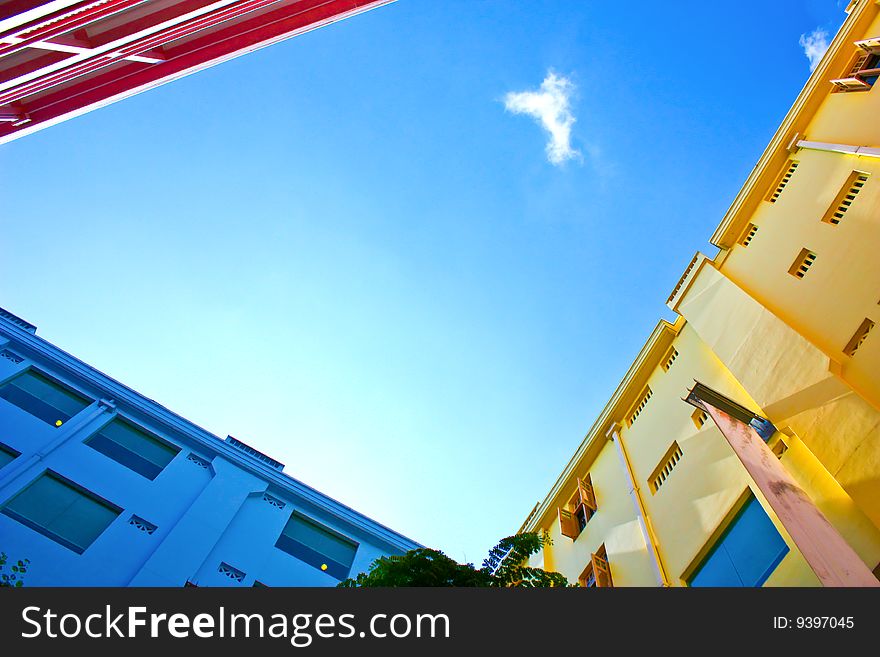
{"x": 208, "y": 504}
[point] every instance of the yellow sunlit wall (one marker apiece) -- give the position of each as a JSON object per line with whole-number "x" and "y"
{"x": 772, "y": 341}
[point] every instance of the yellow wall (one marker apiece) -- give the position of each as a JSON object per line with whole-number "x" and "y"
{"x": 709, "y": 479}
{"x": 842, "y": 287}
{"x": 613, "y": 524}
{"x": 848, "y": 118}
{"x": 792, "y": 383}
{"x": 772, "y": 342}
{"x": 697, "y": 497}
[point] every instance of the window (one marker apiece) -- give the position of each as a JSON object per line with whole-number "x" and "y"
{"x": 62, "y": 511}
{"x": 133, "y": 448}
{"x": 317, "y": 545}
{"x": 802, "y": 263}
{"x": 699, "y": 417}
{"x": 667, "y": 463}
{"x": 43, "y": 398}
{"x": 575, "y": 515}
{"x": 640, "y": 406}
{"x": 845, "y": 198}
{"x": 745, "y": 554}
{"x": 748, "y": 234}
{"x": 858, "y": 337}
{"x": 782, "y": 181}
{"x": 864, "y": 68}
{"x": 671, "y": 355}
{"x": 598, "y": 572}
{"x": 7, "y": 454}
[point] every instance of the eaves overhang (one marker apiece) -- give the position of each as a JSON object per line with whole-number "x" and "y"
{"x": 632, "y": 383}
{"x": 62, "y": 58}
{"x": 784, "y": 141}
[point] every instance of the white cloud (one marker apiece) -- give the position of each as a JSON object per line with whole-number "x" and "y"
{"x": 814, "y": 44}
{"x": 549, "y": 106}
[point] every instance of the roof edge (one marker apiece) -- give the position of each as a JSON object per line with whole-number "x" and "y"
{"x": 597, "y": 430}
{"x": 811, "y": 93}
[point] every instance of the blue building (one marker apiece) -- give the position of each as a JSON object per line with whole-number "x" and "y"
{"x": 100, "y": 486}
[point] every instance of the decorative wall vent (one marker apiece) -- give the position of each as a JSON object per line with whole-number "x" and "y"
{"x": 748, "y": 234}
{"x": 802, "y": 263}
{"x": 699, "y": 417}
{"x": 782, "y": 181}
{"x": 660, "y": 474}
{"x": 845, "y": 198}
{"x": 255, "y": 454}
{"x": 643, "y": 401}
{"x": 684, "y": 277}
{"x": 18, "y": 321}
{"x": 274, "y": 501}
{"x": 198, "y": 460}
{"x": 671, "y": 355}
{"x": 858, "y": 337}
{"x": 142, "y": 525}
{"x": 232, "y": 573}
{"x": 8, "y": 355}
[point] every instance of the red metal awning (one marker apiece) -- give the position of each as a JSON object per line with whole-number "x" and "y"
{"x": 62, "y": 58}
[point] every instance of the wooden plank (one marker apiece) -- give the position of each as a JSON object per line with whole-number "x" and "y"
{"x": 825, "y": 550}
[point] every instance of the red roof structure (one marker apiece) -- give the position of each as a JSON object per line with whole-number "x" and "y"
{"x": 62, "y": 58}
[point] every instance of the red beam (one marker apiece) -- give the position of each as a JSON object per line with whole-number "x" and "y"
{"x": 99, "y": 61}
{"x": 832, "y": 559}
{"x": 220, "y": 34}
{"x": 15, "y": 8}
{"x": 48, "y": 29}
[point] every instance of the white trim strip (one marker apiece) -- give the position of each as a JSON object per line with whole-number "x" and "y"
{"x": 862, "y": 151}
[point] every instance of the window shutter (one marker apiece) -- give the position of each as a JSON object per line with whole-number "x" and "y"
{"x": 850, "y": 81}
{"x": 586, "y": 494}
{"x": 848, "y": 84}
{"x": 567, "y": 524}
{"x": 601, "y": 571}
{"x": 871, "y": 45}
{"x": 858, "y": 64}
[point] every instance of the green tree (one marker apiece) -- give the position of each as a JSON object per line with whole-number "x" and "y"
{"x": 17, "y": 571}
{"x": 504, "y": 567}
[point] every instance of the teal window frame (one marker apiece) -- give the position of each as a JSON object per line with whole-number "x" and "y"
{"x": 49, "y": 400}
{"x": 317, "y": 545}
{"x": 134, "y": 447}
{"x": 7, "y": 454}
{"x": 64, "y": 518}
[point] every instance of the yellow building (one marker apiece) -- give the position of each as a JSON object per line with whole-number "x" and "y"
{"x": 782, "y": 431}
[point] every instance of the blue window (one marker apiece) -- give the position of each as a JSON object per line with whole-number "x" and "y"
{"x": 870, "y": 70}
{"x": 318, "y": 546}
{"x": 43, "y": 398}
{"x": 7, "y": 454}
{"x": 62, "y": 511}
{"x": 746, "y": 553}
{"x": 133, "y": 448}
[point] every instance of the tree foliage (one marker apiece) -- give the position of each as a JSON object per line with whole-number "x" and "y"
{"x": 13, "y": 578}
{"x": 506, "y": 566}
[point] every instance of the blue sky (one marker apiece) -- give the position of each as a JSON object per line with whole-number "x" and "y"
{"x": 345, "y": 251}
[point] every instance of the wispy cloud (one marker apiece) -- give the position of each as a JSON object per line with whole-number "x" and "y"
{"x": 550, "y": 107}
{"x": 814, "y": 44}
